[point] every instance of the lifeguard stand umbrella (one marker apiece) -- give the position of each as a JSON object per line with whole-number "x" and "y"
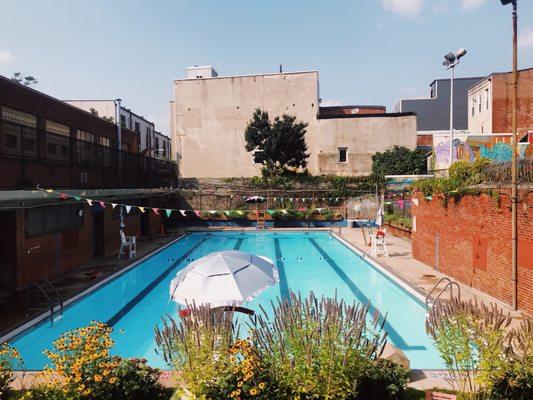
{"x": 226, "y": 278}
{"x": 255, "y": 199}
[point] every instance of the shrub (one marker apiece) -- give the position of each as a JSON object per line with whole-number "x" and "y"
{"x": 317, "y": 348}
{"x": 383, "y": 380}
{"x": 488, "y": 359}
{"x": 399, "y": 220}
{"x": 9, "y": 360}
{"x": 199, "y": 348}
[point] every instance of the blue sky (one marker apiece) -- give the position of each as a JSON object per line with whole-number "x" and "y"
{"x": 366, "y": 51}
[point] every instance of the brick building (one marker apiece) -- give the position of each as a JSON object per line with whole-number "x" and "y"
{"x": 470, "y": 240}
{"x": 46, "y": 142}
{"x": 490, "y": 104}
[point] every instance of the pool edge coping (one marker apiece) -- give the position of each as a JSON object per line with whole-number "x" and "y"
{"x": 412, "y": 289}
{"x": 45, "y": 314}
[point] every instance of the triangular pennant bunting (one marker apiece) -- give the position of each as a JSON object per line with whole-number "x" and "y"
{"x": 113, "y": 205}
{"x": 168, "y": 212}
{"x": 182, "y": 212}
{"x": 128, "y": 208}
{"x": 89, "y": 201}
{"x": 142, "y": 209}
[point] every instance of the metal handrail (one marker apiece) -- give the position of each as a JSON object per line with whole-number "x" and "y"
{"x": 50, "y": 302}
{"x": 57, "y": 294}
{"x": 449, "y": 284}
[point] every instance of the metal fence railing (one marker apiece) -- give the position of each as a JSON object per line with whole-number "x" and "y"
{"x": 499, "y": 174}
{"x": 28, "y": 143}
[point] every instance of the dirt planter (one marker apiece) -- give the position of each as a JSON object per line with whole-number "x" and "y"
{"x": 399, "y": 231}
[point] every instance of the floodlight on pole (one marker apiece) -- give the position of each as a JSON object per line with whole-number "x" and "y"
{"x": 450, "y": 61}
{"x": 514, "y": 167}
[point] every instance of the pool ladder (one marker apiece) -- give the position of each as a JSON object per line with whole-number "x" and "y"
{"x": 51, "y": 304}
{"x": 449, "y": 284}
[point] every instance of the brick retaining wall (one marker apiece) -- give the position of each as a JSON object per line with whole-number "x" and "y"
{"x": 473, "y": 238}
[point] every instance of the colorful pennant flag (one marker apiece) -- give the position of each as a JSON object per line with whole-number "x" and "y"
{"x": 168, "y": 212}
{"x": 141, "y": 208}
{"x": 128, "y": 208}
{"x": 113, "y": 205}
{"x": 89, "y": 201}
{"x": 156, "y": 211}
{"x": 182, "y": 212}
{"x": 63, "y": 196}
{"x": 77, "y": 198}
{"x": 197, "y": 213}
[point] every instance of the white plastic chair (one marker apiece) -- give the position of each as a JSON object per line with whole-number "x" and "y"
{"x": 127, "y": 243}
{"x": 378, "y": 244}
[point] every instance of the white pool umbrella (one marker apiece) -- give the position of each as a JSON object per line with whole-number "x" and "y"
{"x": 224, "y": 278}
{"x": 379, "y": 216}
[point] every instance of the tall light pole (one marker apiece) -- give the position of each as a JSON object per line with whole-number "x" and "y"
{"x": 450, "y": 62}
{"x": 514, "y": 172}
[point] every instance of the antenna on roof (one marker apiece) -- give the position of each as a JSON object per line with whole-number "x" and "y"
{"x": 281, "y": 68}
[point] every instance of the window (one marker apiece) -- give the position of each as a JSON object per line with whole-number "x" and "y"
{"x": 85, "y": 147}
{"x": 105, "y": 141}
{"x": 137, "y": 127}
{"x": 57, "y": 141}
{"x": 473, "y": 106}
{"x": 19, "y": 140}
{"x": 123, "y": 121}
{"x": 148, "y": 137}
{"x": 479, "y": 105}
{"x": 164, "y": 149}
{"x": 19, "y": 117}
{"x": 487, "y": 99}
{"x": 57, "y": 128}
{"x": 156, "y": 143}
{"x": 343, "y": 154}
{"x": 53, "y": 219}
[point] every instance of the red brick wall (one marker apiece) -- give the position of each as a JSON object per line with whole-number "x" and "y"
{"x": 424, "y": 140}
{"x": 47, "y": 256}
{"x": 502, "y": 102}
{"x": 474, "y": 243}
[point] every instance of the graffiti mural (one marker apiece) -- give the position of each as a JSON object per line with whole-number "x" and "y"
{"x": 468, "y": 147}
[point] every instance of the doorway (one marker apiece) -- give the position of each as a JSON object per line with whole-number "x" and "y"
{"x": 98, "y": 233}
{"x": 8, "y": 251}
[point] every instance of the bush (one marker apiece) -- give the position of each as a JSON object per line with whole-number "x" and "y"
{"x": 399, "y": 161}
{"x": 9, "y": 360}
{"x": 488, "y": 360}
{"x": 199, "y": 348}
{"x": 395, "y": 219}
{"x": 82, "y": 368}
{"x": 317, "y": 348}
{"x": 383, "y": 380}
{"x": 462, "y": 175}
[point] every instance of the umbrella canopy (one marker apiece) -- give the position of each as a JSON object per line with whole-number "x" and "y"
{"x": 255, "y": 199}
{"x": 226, "y": 278}
{"x": 379, "y": 216}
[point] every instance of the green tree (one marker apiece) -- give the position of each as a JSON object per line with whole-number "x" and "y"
{"x": 24, "y": 80}
{"x": 278, "y": 145}
{"x": 399, "y": 161}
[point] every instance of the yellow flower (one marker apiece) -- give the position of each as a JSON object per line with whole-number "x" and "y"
{"x": 253, "y": 391}
{"x": 261, "y": 385}
{"x": 112, "y": 380}
{"x": 97, "y": 378}
{"x": 240, "y": 383}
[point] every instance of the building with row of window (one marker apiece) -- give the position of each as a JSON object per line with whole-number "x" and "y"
{"x": 209, "y": 114}
{"x": 151, "y": 141}
{"x": 47, "y": 143}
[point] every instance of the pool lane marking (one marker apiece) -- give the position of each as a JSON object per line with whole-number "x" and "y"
{"x": 283, "y": 286}
{"x": 142, "y": 294}
{"x": 238, "y": 244}
{"x": 393, "y": 334}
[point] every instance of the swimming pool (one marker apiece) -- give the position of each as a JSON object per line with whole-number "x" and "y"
{"x": 135, "y": 301}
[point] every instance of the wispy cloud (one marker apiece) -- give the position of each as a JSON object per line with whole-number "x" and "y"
{"x": 404, "y": 8}
{"x": 5, "y": 56}
{"x": 525, "y": 38}
{"x": 330, "y": 103}
{"x": 472, "y": 4}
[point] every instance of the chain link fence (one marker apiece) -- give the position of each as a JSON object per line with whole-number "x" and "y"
{"x": 499, "y": 174}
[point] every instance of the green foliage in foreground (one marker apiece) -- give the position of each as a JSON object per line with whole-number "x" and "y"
{"x": 488, "y": 359}
{"x": 311, "y": 349}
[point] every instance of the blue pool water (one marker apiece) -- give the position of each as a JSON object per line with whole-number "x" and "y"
{"x": 137, "y": 300}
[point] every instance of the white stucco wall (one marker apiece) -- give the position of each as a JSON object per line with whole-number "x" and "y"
{"x": 209, "y": 117}
{"x": 362, "y": 137}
